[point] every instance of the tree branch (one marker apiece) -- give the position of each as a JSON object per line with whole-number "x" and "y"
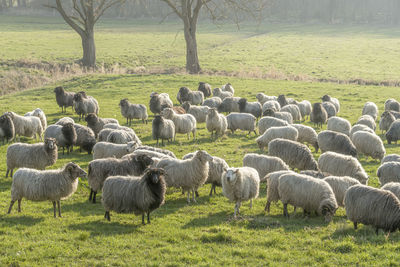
{"x": 174, "y": 8}
{"x": 97, "y": 16}
{"x": 67, "y": 19}
{"x": 75, "y": 6}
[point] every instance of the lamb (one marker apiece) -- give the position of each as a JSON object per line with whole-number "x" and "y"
{"x": 389, "y": 172}
{"x": 65, "y": 120}
{"x": 205, "y": 88}
{"x": 294, "y": 154}
{"x": 37, "y": 156}
{"x": 253, "y": 108}
{"x": 140, "y": 195}
{"x": 387, "y": 118}
{"x": 240, "y": 184}
{"x": 162, "y": 129}
{"x": 216, "y": 122}
{"x": 133, "y": 111}
{"x": 284, "y": 132}
{"x": 286, "y": 116}
{"x": 96, "y": 123}
{"x": 334, "y": 101}
{"x": 336, "y": 142}
{"x": 262, "y": 98}
{"x": 187, "y": 174}
{"x": 267, "y": 122}
{"x": 215, "y": 171}
{"x": 304, "y": 107}
{"x": 198, "y": 112}
{"x": 109, "y": 150}
{"x": 64, "y": 99}
{"x": 342, "y": 165}
{"x": 100, "y": 169}
{"x": 330, "y": 108}
{"x": 26, "y": 126}
{"x": 318, "y": 115}
{"x": 264, "y": 164}
{"x": 228, "y": 88}
{"x": 306, "y": 134}
{"x": 122, "y": 137}
{"x": 40, "y": 114}
{"x": 392, "y": 104}
{"x": 156, "y": 149}
{"x": 217, "y": 92}
{"x": 392, "y": 187}
{"x": 339, "y": 185}
{"x": 213, "y": 102}
{"x": 372, "y": 206}
{"x": 391, "y": 157}
{"x": 360, "y": 127}
{"x": 242, "y": 121}
{"x": 340, "y": 125}
{"x": 52, "y": 185}
{"x": 368, "y": 121}
{"x": 369, "y": 144}
{"x": 85, "y": 138}
{"x": 282, "y": 101}
{"x": 308, "y": 193}
{"x": 229, "y": 104}
{"x": 272, "y": 187}
{"x": 85, "y": 104}
{"x": 159, "y": 101}
{"x": 393, "y": 134}
{"x": 271, "y": 104}
{"x": 184, "y": 123}
{"x": 194, "y": 97}
{"x": 65, "y": 135}
{"x": 370, "y": 108}
{"x": 293, "y": 110}
{"x": 7, "y": 130}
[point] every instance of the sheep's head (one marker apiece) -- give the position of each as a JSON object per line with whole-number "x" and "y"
{"x": 78, "y": 97}
{"x": 203, "y": 156}
{"x": 155, "y": 175}
{"x": 186, "y": 105}
{"x": 143, "y": 160}
{"x": 326, "y": 98}
{"x": 91, "y": 118}
{"x": 74, "y": 171}
{"x": 317, "y": 107}
{"x": 212, "y": 112}
{"x": 269, "y": 112}
{"x": 231, "y": 174}
{"x": 50, "y": 143}
{"x": 123, "y": 102}
{"x": 167, "y": 113}
{"x": 328, "y": 209}
{"x": 10, "y": 114}
{"x": 59, "y": 90}
{"x": 153, "y": 94}
{"x": 184, "y": 91}
{"x": 260, "y": 96}
{"x": 217, "y": 91}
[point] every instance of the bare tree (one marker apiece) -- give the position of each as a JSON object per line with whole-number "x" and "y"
{"x": 189, "y": 10}
{"x": 82, "y": 17}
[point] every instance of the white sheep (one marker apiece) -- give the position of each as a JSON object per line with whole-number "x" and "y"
{"x": 369, "y": 144}
{"x": 253, "y": 108}
{"x": 392, "y": 104}
{"x": 187, "y": 174}
{"x": 65, "y": 120}
{"x": 342, "y": 165}
{"x": 306, "y": 134}
{"x": 388, "y": 172}
{"x": 272, "y": 187}
{"x": 262, "y": 98}
{"x": 217, "y": 92}
{"x": 198, "y": 112}
{"x": 194, "y": 97}
{"x": 367, "y": 120}
{"x": 293, "y": 110}
{"x": 284, "y": 132}
{"x": 286, "y": 116}
{"x": 271, "y": 104}
{"x": 267, "y": 122}
{"x": 122, "y": 137}
{"x": 213, "y": 102}
{"x": 308, "y": 193}
{"x": 240, "y": 184}
{"x": 228, "y": 88}
{"x": 305, "y": 108}
{"x": 26, "y": 126}
{"x": 392, "y": 187}
{"x": 391, "y": 157}
{"x": 330, "y": 108}
{"x": 40, "y": 114}
{"x": 370, "y": 108}
{"x": 242, "y": 121}
{"x": 387, "y": 118}
{"x": 184, "y": 123}
{"x": 162, "y": 129}
{"x": 264, "y": 164}
{"x": 159, "y": 150}
{"x": 216, "y": 122}
{"x": 339, "y": 185}
{"x": 109, "y": 150}
{"x": 336, "y": 142}
{"x": 52, "y": 185}
{"x": 333, "y": 100}
{"x": 133, "y": 111}
{"x": 360, "y": 127}
{"x": 65, "y": 135}
{"x": 340, "y": 125}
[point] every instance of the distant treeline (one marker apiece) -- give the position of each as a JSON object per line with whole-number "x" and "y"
{"x": 291, "y": 11}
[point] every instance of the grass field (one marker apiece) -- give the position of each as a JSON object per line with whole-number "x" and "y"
{"x": 180, "y": 234}
{"x": 204, "y": 233}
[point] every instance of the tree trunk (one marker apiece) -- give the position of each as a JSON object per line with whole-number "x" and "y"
{"x": 10, "y": 3}
{"x": 192, "y": 59}
{"x": 89, "y": 50}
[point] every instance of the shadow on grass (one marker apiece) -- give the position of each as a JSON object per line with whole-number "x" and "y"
{"x": 5, "y": 185}
{"x": 102, "y": 227}
{"x": 211, "y": 219}
{"x": 24, "y": 220}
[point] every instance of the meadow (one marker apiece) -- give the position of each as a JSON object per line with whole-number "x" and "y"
{"x": 204, "y": 233}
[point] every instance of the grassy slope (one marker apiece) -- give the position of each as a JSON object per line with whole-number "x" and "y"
{"x": 181, "y": 234}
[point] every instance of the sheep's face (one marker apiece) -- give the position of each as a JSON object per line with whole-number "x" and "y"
{"x": 91, "y": 118}
{"x": 183, "y": 91}
{"x": 123, "y": 102}
{"x": 317, "y": 107}
{"x": 78, "y": 97}
{"x": 144, "y": 160}
{"x": 167, "y": 113}
{"x": 360, "y": 176}
{"x": 58, "y": 90}
{"x": 75, "y": 171}
{"x": 269, "y": 112}
{"x": 131, "y": 146}
{"x": 153, "y": 94}
{"x": 50, "y": 143}
{"x": 231, "y": 175}
{"x": 204, "y": 156}
{"x": 154, "y": 175}
{"x": 212, "y": 112}
{"x": 328, "y": 210}
{"x": 217, "y": 91}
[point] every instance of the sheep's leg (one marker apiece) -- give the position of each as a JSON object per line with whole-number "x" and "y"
{"x": 376, "y": 230}
{"x": 8, "y": 170}
{"x": 255, "y": 132}
{"x": 215, "y": 192}
{"x": 143, "y": 218}
{"x": 188, "y": 197}
{"x": 91, "y": 193}
{"x": 59, "y": 208}
{"x": 148, "y": 217}
{"x": 294, "y": 210}
{"x": 94, "y": 196}
{"x": 285, "y": 211}
{"x": 234, "y": 214}
{"x": 188, "y": 135}
{"x": 193, "y": 196}
{"x": 107, "y": 216}
{"x": 267, "y": 206}
{"x": 194, "y": 135}
{"x": 197, "y": 193}
{"x": 212, "y": 186}
{"x": 355, "y": 225}
{"x": 251, "y": 203}
{"x": 11, "y": 205}
{"x": 127, "y": 121}
{"x": 19, "y": 205}
{"x": 238, "y": 209}
{"x": 54, "y": 209}
{"x": 12, "y": 171}
{"x": 63, "y": 150}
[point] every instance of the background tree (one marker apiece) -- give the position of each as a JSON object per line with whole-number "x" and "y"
{"x": 82, "y": 17}
{"x": 189, "y": 10}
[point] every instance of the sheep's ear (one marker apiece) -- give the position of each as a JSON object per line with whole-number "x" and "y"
{"x": 225, "y": 169}
{"x": 237, "y": 170}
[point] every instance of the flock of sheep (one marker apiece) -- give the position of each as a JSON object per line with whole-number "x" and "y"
{"x": 133, "y": 177}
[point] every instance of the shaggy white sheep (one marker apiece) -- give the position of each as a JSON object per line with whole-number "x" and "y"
{"x": 306, "y": 134}
{"x": 336, "y": 142}
{"x": 389, "y": 172}
{"x": 360, "y": 127}
{"x": 198, "y": 112}
{"x": 213, "y": 102}
{"x": 40, "y": 114}
{"x": 262, "y": 98}
{"x": 216, "y": 122}
{"x": 184, "y": 123}
{"x": 267, "y": 122}
{"x": 369, "y": 144}
{"x": 264, "y": 164}
{"x": 368, "y": 121}
{"x": 271, "y": 104}
{"x": 391, "y": 157}
{"x": 26, "y": 126}
{"x": 339, "y": 185}
{"x": 109, "y": 150}
{"x": 272, "y": 187}
{"x": 340, "y": 125}
{"x": 242, "y": 121}
{"x": 284, "y": 132}
{"x": 293, "y": 110}
{"x": 370, "y": 108}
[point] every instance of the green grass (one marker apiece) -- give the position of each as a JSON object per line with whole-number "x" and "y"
{"x": 180, "y": 234}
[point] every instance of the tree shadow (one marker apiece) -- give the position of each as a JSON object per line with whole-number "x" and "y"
{"x": 102, "y": 227}
{"x": 24, "y": 220}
